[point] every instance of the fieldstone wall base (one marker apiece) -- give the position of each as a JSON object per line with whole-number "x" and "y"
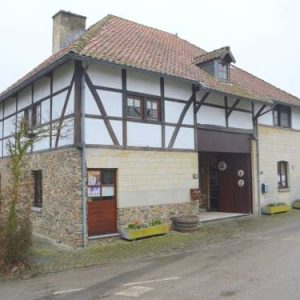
{"x": 147, "y": 214}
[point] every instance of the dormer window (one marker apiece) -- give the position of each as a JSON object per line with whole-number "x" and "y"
{"x": 216, "y": 63}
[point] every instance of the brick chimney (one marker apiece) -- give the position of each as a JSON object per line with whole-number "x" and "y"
{"x": 67, "y": 27}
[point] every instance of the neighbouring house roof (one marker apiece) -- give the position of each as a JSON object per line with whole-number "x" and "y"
{"x": 215, "y": 54}
{"x": 116, "y": 40}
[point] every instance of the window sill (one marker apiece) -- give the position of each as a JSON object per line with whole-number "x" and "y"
{"x": 36, "y": 209}
{"x": 283, "y": 190}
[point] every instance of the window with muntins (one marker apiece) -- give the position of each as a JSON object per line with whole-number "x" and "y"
{"x": 282, "y": 172}
{"x": 38, "y": 188}
{"x": 222, "y": 71}
{"x": 143, "y": 108}
{"x": 282, "y": 116}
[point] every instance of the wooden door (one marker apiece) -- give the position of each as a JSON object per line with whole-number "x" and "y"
{"x": 234, "y": 183}
{"x": 102, "y": 202}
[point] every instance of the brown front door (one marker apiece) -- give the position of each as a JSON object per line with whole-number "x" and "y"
{"x": 234, "y": 183}
{"x": 102, "y": 201}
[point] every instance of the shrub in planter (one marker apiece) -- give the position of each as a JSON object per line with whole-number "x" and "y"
{"x": 136, "y": 231}
{"x": 275, "y": 208}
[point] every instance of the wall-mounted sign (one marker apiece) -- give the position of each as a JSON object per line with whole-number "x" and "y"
{"x": 241, "y": 182}
{"x": 222, "y": 166}
{"x": 240, "y": 173}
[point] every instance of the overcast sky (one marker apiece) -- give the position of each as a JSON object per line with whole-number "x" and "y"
{"x": 263, "y": 34}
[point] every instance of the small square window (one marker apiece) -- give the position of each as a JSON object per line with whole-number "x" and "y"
{"x": 143, "y": 108}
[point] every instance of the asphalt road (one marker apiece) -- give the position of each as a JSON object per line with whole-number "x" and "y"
{"x": 254, "y": 266}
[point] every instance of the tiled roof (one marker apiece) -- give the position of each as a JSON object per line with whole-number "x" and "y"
{"x": 127, "y": 43}
{"x": 215, "y": 54}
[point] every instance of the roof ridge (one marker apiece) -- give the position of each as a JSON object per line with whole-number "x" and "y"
{"x": 157, "y": 29}
{"x": 268, "y": 83}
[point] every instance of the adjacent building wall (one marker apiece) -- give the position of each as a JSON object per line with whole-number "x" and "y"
{"x": 277, "y": 144}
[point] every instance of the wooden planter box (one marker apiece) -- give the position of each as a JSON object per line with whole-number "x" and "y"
{"x": 134, "y": 234}
{"x": 270, "y": 210}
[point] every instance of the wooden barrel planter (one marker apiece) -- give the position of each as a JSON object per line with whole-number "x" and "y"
{"x": 185, "y": 223}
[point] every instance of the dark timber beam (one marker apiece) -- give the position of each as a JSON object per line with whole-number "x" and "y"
{"x": 102, "y": 109}
{"x": 226, "y": 110}
{"x": 198, "y": 105}
{"x": 78, "y": 102}
{"x": 231, "y": 109}
{"x": 182, "y": 115}
{"x": 258, "y": 114}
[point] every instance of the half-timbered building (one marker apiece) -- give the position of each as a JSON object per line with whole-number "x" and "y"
{"x": 150, "y": 117}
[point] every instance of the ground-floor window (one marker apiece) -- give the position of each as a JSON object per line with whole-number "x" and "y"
{"x": 38, "y": 188}
{"x": 282, "y": 171}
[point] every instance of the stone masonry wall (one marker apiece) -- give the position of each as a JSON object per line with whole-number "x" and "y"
{"x": 275, "y": 145}
{"x": 164, "y": 213}
{"x": 60, "y": 217}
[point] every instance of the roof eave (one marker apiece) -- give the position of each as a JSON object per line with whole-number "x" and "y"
{"x": 36, "y": 76}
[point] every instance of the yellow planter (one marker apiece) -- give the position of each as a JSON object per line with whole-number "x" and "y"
{"x": 270, "y": 210}
{"x": 134, "y": 234}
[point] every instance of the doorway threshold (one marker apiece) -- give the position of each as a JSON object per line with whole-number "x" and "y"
{"x": 210, "y": 216}
{"x": 103, "y": 236}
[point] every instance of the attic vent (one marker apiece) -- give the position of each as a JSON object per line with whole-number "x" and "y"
{"x": 67, "y": 27}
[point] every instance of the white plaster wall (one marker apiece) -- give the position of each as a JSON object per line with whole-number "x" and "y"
{"x": 118, "y": 130}
{"x": 42, "y": 144}
{"x": 107, "y": 76}
{"x": 62, "y": 76}
{"x": 9, "y": 106}
{"x": 189, "y": 117}
{"x": 9, "y": 126}
{"x": 177, "y": 89}
{"x": 143, "y": 135}
{"x": 1, "y": 125}
{"x": 96, "y": 132}
{"x": 91, "y": 106}
{"x": 169, "y": 130}
{"x": 67, "y": 133}
{"x": 296, "y": 118}
{"x": 239, "y": 119}
{"x": 71, "y": 101}
{"x": 41, "y": 89}
{"x": 173, "y": 111}
{"x": 211, "y": 116}
{"x": 1, "y": 148}
{"x": 24, "y": 98}
{"x": 45, "y": 111}
{"x": 57, "y": 105}
{"x": 266, "y": 119}
{"x": 185, "y": 139}
{"x": 143, "y": 83}
{"x": 112, "y": 103}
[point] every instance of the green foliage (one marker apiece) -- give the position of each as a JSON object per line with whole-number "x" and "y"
{"x": 15, "y": 224}
{"x": 138, "y": 225}
{"x": 275, "y": 204}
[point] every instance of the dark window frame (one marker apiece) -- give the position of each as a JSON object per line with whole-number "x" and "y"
{"x": 279, "y": 119}
{"x": 221, "y": 73}
{"x": 282, "y": 173}
{"x": 33, "y": 116}
{"x": 144, "y": 110}
{"x": 38, "y": 188}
